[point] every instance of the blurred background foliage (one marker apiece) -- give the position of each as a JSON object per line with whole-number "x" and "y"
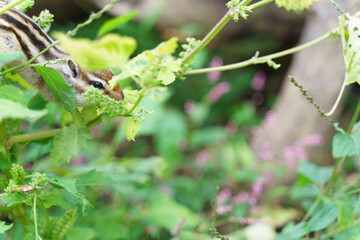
{"x": 192, "y": 166}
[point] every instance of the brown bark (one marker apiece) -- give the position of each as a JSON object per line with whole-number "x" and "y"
{"x": 320, "y": 69}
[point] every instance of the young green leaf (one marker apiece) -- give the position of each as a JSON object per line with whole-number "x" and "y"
{"x": 68, "y": 143}
{"x": 8, "y": 57}
{"x": 68, "y": 184}
{"x": 9, "y": 109}
{"x": 4, "y": 227}
{"x": 323, "y": 216}
{"x": 132, "y": 127}
{"x": 62, "y": 92}
{"x": 295, "y": 5}
{"x": 352, "y": 51}
{"x": 110, "y": 51}
{"x": 13, "y": 94}
{"x": 113, "y": 23}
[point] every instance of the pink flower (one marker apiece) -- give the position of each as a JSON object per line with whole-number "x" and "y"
{"x": 310, "y": 140}
{"x": 202, "y": 157}
{"x": 178, "y": 228}
{"x": 214, "y": 76}
{"x": 258, "y": 81}
{"x": 265, "y": 152}
{"x": 241, "y": 197}
{"x": 270, "y": 117}
{"x": 189, "y": 107}
{"x": 224, "y": 209}
{"x": 257, "y": 187}
{"x": 218, "y": 91}
{"x": 223, "y": 196}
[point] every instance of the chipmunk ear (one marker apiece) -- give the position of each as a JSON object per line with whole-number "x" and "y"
{"x": 72, "y": 66}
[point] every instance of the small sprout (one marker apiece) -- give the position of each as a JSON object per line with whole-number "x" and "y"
{"x": 44, "y": 19}
{"x": 273, "y": 64}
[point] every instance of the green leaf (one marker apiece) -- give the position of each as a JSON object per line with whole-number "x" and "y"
{"x": 132, "y": 127}
{"x": 13, "y": 94}
{"x": 113, "y": 23}
{"x": 62, "y": 92}
{"x": 68, "y": 143}
{"x": 352, "y": 51}
{"x": 110, "y": 51}
{"x": 324, "y": 215}
{"x": 8, "y": 57}
{"x": 9, "y": 109}
{"x": 4, "y": 227}
{"x": 167, "y": 47}
{"x": 343, "y": 145}
{"x": 314, "y": 173}
{"x": 295, "y": 5}
{"x": 346, "y": 213}
{"x": 68, "y": 184}
{"x": 93, "y": 178}
{"x": 57, "y": 198}
{"x": 15, "y": 199}
{"x": 167, "y": 213}
{"x": 83, "y": 233}
{"x": 292, "y": 231}
{"x": 166, "y": 76}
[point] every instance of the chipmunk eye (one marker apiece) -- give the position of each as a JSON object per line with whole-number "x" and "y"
{"x": 97, "y": 84}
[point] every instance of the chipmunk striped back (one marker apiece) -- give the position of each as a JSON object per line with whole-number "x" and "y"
{"x": 18, "y": 32}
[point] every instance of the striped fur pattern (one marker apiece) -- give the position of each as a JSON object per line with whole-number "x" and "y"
{"x": 18, "y": 32}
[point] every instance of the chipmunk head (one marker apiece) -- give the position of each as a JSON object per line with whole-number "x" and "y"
{"x": 82, "y": 79}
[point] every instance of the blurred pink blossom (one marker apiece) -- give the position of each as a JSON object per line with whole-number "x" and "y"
{"x": 223, "y": 196}
{"x": 224, "y": 209}
{"x": 241, "y": 197}
{"x": 292, "y": 154}
{"x": 178, "y": 228}
{"x": 218, "y": 91}
{"x": 257, "y": 188}
{"x": 258, "y": 81}
{"x": 310, "y": 140}
{"x": 231, "y": 128}
{"x": 202, "y": 157}
{"x": 265, "y": 153}
{"x": 270, "y": 117}
{"x": 189, "y": 106}
{"x": 214, "y": 76}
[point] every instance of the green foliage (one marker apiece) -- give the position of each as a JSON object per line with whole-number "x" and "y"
{"x": 295, "y": 5}
{"x": 13, "y": 110}
{"x": 44, "y": 19}
{"x": 8, "y": 57}
{"x": 113, "y": 23}
{"x": 110, "y": 51}
{"x": 62, "y": 91}
{"x": 4, "y": 227}
{"x": 68, "y": 143}
{"x": 171, "y": 182}
{"x": 351, "y": 46}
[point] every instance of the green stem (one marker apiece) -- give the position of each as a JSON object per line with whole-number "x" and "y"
{"x": 354, "y": 118}
{"x": 310, "y": 211}
{"x": 33, "y": 136}
{"x": 258, "y": 60}
{"x": 338, "y": 163}
{"x": 220, "y": 25}
{"x": 9, "y": 6}
{"x": 35, "y": 218}
{"x": 136, "y": 103}
{"x": 259, "y": 4}
{"x": 216, "y": 29}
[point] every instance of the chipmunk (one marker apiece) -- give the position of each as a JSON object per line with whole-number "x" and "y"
{"x": 18, "y": 32}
